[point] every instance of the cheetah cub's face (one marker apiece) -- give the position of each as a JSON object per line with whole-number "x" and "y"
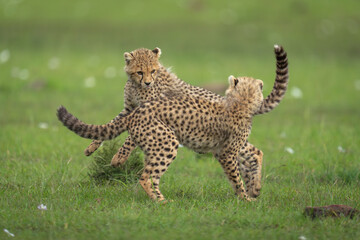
{"x": 246, "y": 91}
{"x": 142, "y": 66}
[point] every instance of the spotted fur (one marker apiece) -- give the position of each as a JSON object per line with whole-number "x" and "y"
{"x": 137, "y": 91}
{"x": 220, "y": 127}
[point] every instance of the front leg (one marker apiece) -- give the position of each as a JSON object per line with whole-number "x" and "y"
{"x": 250, "y": 164}
{"x": 94, "y": 145}
{"x": 228, "y": 160}
{"x": 123, "y": 153}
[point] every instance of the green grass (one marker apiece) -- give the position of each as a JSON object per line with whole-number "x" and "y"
{"x": 205, "y": 41}
{"x": 101, "y": 171}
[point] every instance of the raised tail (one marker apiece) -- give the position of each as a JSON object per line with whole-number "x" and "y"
{"x": 281, "y": 82}
{"x": 97, "y": 132}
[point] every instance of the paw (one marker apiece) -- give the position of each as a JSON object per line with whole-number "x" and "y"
{"x": 164, "y": 201}
{"x": 115, "y": 162}
{"x": 118, "y": 160}
{"x": 250, "y": 199}
{"x": 254, "y": 191}
{"x": 247, "y": 198}
{"x": 88, "y": 152}
{"x": 92, "y": 148}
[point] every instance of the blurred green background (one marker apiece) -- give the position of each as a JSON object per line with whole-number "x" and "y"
{"x": 205, "y": 41}
{"x": 71, "y": 53}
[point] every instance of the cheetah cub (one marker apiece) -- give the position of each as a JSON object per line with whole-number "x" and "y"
{"x": 218, "y": 127}
{"x": 148, "y": 79}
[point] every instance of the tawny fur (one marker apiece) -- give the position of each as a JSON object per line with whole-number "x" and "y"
{"x": 148, "y": 79}
{"x": 219, "y": 127}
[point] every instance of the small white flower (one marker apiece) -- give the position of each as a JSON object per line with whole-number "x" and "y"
{"x": 43, "y": 125}
{"x": 289, "y": 150}
{"x": 4, "y": 55}
{"x": 93, "y": 60}
{"x": 24, "y": 74}
{"x": 15, "y": 72}
{"x": 357, "y": 85}
{"x": 180, "y": 145}
{"x": 169, "y": 69}
{"x": 228, "y": 16}
{"x": 341, "y": 149}
{"x": 296, "y": 92}
{"x": 302, "y": 238}
{"x": 9, "y": 233}
{"x": 352, "y": 26}
{"x": 110, "y": 72}
{"x": 90, "y": 82}
{"x": 54, "y": 63}
{"x": 327, "y": 27}
{"x": 283, "y": 134}
{"x": 42, "y": 207}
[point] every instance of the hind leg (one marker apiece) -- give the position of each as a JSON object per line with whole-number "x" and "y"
{"x": 123, "y": 153}
{"x": 160, "y": 147}
{"x": 250, "y": 164}
{"x": 245, "y": 173}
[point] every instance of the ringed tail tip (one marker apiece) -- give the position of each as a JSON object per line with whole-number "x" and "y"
{"x": 60, "y": 112}
{"x": 278, "y": 48}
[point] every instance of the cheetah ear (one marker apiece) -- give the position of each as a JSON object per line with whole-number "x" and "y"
{"x": 128, "y": 57}
{"x": 157, "y": 52}
{"x": 233, "y": 81}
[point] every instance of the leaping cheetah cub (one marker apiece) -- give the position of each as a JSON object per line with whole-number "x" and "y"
{"x": 220, "y": 127}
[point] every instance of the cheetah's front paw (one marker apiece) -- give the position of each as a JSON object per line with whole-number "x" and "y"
{"x": 117, "y": 160}
{"x": 164, "y": 201}
{"x": 250, "y": 199}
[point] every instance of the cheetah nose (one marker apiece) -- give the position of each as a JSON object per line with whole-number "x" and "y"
{"x": 147, "y": 83}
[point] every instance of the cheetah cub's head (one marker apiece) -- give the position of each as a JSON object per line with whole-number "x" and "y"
{"x": 142, "y": 66}
{"x": 246, "y": 91}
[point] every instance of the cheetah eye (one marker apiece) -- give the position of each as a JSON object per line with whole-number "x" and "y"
{"x": 140, "y": 73}
{"x": 153, "y": 71}
{"x": 261, "y": 86}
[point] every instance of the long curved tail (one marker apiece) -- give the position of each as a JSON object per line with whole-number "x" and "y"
{"x": 281, "y": 82}
{"x": 96, "y": 132}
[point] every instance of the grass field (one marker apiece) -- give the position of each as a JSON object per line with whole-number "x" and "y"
{"x": 71, "y": 53}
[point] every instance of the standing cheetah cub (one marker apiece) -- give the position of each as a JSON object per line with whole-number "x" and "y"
{"x": 219, "y": 127}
